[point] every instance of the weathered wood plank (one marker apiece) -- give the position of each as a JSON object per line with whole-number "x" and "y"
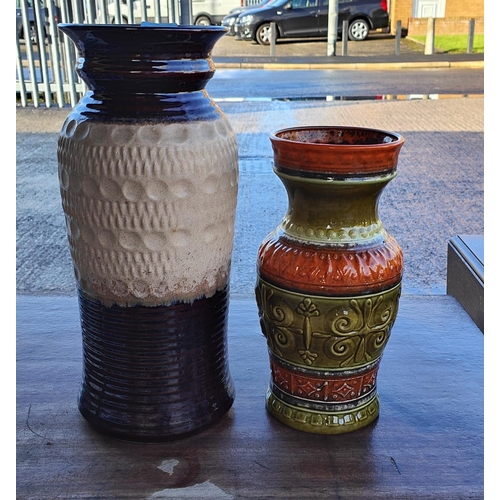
{"x": 427, "y": 443}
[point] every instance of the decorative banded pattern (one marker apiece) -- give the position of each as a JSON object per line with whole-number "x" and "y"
{"x": 322, "y": 235}
{"x": 326, "y": 388}
{"x": 317, "y": 422}
{"x": 150, "y": 208}
{"x": 326, "y": 332}
{"x": 327, "y": 269}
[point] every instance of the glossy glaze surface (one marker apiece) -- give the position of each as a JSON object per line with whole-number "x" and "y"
{"x": 338, "y": 151}
{"x": 155, "y": 373}
{"x": 329, "y": 277}
{"x": 148, "y": 170}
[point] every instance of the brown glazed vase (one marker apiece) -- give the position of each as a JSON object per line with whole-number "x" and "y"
{"x": 329, "y": 277}
{"x": 148, "y": 170}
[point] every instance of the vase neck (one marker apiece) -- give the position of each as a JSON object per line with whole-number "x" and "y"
{"x": 340, "y": 212}
{"x": 126, "y": 108}
{"x": 135, "y": 59}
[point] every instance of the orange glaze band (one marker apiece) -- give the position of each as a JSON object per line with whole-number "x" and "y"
{"x": 326, "y": 271}
{"x": 324, "y": 389}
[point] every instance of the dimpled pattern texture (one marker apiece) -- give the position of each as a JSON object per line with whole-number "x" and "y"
{"x": 149, "y": 208}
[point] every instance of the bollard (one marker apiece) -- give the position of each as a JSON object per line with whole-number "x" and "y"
{"x": 398, "y": 38}
{"x": 429, "y": 39}
{"x": 273, "y": 39}
{"x": 470, "y": 40}
{"x": 345, "y": 27}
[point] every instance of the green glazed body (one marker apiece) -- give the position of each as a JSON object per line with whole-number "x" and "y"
{"x": 329, "y": 278}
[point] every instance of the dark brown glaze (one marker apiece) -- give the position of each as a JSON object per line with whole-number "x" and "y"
{"x": 155, "y": 373}
{"x": 151, "y": 372}
{"x": 144, "y": 72}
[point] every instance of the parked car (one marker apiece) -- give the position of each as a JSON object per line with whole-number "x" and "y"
{"x": 203, "y": 12}
{"x": 309, "y": 18}
{"x": 33, "y": 22}
{"x": 230, "y": 19}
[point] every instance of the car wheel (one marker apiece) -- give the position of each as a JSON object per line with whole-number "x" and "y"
{"x": 113, "y": 20}
{"x": 358, "y": 30}
{"x": 263, "y": 34}
{"x": 202, "y": 21}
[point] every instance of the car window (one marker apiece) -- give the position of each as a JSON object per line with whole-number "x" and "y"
{"x": 29, "y": 2}
{"x": 302, "y": 4}
{"x": 325, "y": 2}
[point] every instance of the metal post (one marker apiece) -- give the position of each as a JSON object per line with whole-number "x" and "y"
{"x": 55, "y": 55}
{"x": 333, "y": 16}
{"x": 42, "y": 54}
{"x": 91, "y": 11}
{"x": 470, "y": 41}
{"x": 28, "y": 46}
{"x": 429, "y": 39}
{"x": 273, "y": 40}
{"x": 157, "y": 11}
{"x": 186, "y": 15}
{"x": 130, "y": 12}
{"x": 103, "y": 12}
{"x": 171, "y": 11}
{"x": 345, "y": 36}
{"x": 77, "y": 11}
{"x": 144, "y": 11}
{"x": 398, "y": 38}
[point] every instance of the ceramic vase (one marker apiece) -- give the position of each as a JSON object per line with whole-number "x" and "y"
{"x": 148, "y": 169}
{"x": 329, "y": 277}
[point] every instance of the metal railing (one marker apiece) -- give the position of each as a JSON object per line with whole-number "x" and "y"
{"x": 45, "y": 60}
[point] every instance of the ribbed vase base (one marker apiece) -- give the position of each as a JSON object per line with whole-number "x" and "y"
{"x": 155, "y": 373}
{"x": 155, "y": 434}
{"x": 322, "y": 422}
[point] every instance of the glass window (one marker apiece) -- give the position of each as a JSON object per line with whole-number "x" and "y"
{"x": 303, "y": 4}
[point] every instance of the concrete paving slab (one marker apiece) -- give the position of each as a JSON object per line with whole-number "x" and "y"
{"x": 377, "y": 52}
{"x": 438, "y": 193}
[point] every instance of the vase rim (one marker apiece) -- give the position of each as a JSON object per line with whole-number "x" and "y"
{"x": 397, "y": 139}
{"x": 145, "y": 26}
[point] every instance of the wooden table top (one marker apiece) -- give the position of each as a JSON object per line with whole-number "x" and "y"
{"x": 427, "y": 442}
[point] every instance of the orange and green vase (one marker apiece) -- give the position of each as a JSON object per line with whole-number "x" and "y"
{"x": 329, "y": 277}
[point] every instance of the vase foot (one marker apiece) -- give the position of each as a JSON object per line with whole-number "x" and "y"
{"x": 155, "y": 434}
{"x": 322, "y": 422}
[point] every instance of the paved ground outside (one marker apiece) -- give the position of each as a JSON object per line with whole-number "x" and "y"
{"x": 378, "y": 48}
{"x": 437, "y": 194}
{"x": 378, "y": 44}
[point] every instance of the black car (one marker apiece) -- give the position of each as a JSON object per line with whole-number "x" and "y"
{"x": 230, "y": 19}
{"x": 309, "y": 18}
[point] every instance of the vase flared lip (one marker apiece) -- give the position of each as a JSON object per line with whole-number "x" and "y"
{"x": 395, "y": 139}
{"x": 144, "y": 27}
{"x": 336, "y": 150}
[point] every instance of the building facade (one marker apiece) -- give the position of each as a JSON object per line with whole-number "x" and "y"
{"x": 452, "y": 17}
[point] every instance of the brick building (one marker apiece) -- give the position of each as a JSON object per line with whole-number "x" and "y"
{"x": 452, "y": 16}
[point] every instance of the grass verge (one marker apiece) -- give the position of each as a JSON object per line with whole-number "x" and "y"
{"x": 454, "y": 44}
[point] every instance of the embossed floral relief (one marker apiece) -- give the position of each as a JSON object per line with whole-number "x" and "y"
{"x": 326, "y": 332}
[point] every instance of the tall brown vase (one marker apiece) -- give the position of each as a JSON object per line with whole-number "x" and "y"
{"x": 148, "y": 168}
{"x": 329, "y": 277}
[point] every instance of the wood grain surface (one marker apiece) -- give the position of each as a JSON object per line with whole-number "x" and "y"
{"x": 427, "y": 442}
